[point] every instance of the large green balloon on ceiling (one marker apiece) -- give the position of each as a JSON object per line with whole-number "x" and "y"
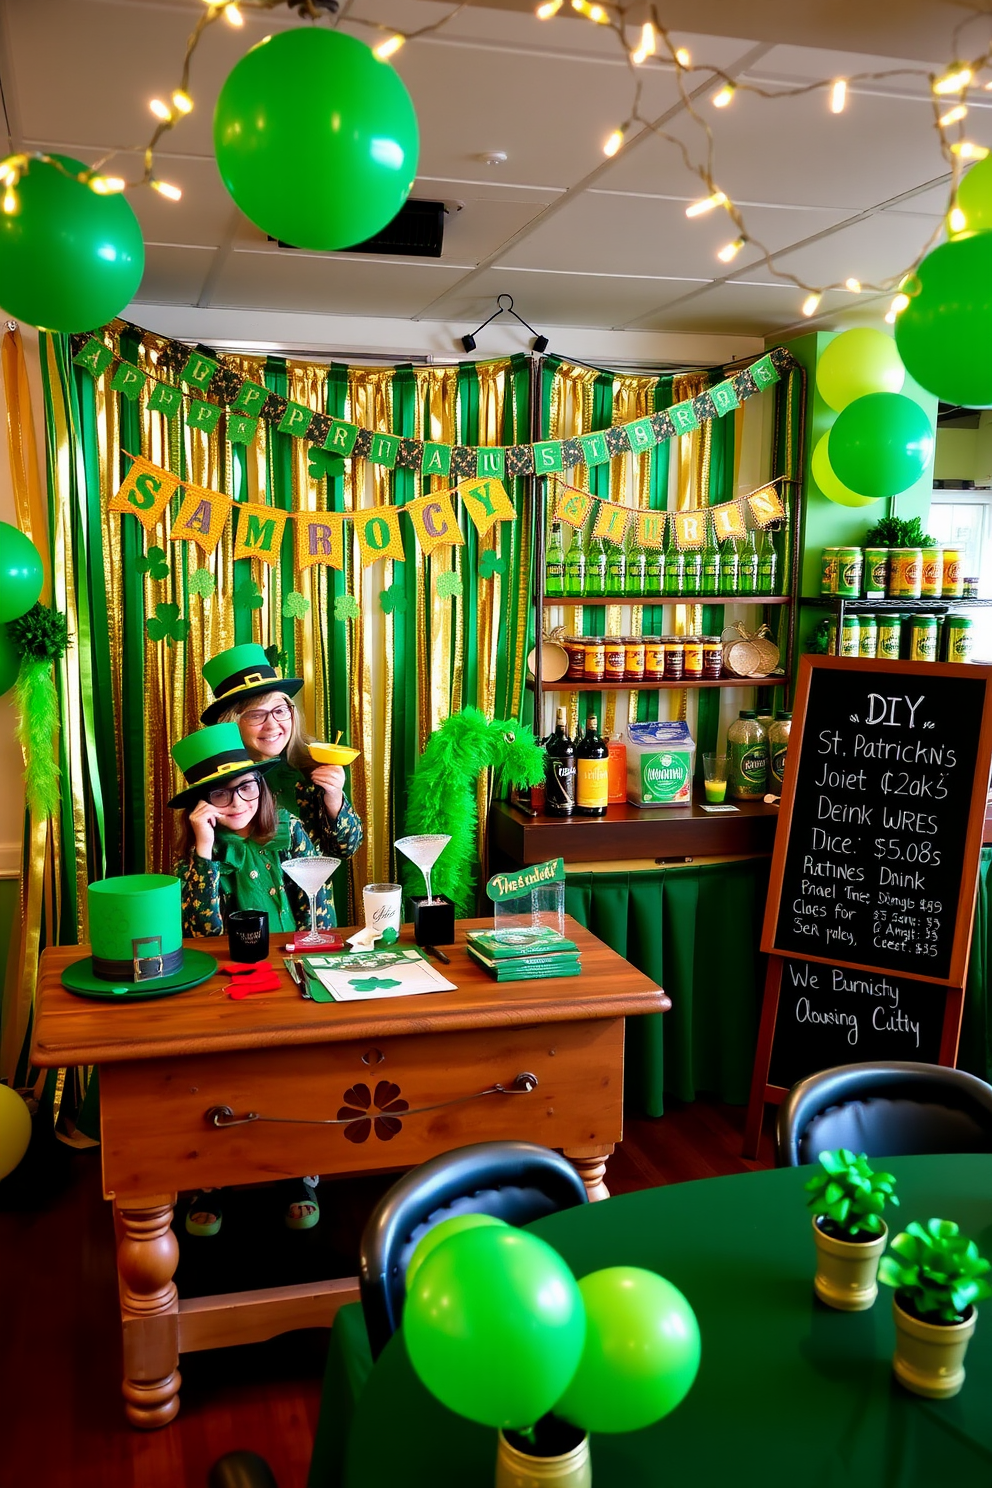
{"x": 975, "y": 197}
{"x": 857, "y": 362}
{"x": 880, "y": 444}
{"x": 944, "y": 335}
{"x": 316, "y": 139}
{"x": 70, "y": 260}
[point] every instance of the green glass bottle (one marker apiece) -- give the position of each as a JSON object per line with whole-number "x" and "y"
{"x": 767, "y": 565}
{"x": 575, "y": 568}
{"x": 595, "y": 568}
{"x": 711, "y": 561}
{"x": 729, "y": 567}
{"x": 674, "y": 564}
{"x": 554, "y": 563}
{"x": 654, "y": 577}
{"x": 692, "y": 571}
{"x": 616, "y": 570}
{"x": 637, "y": 569}
{"x": 747, "y": 571}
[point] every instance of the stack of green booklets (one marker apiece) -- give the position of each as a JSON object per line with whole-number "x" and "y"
{"x": 524, "y": 955}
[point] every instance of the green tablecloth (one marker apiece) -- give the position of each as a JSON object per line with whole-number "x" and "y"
{"x": 695, "y": 930}
{"x": 788, "y": 1391}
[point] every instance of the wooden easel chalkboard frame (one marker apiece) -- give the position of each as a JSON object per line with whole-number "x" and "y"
{"x": 762, "y": 1092}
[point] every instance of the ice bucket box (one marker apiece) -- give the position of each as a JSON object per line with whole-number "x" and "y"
{"x": 660, "y": 758}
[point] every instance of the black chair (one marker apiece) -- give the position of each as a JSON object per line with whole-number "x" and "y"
{"x": 884, "y": 1110}
{"x": 513, "y": 1181}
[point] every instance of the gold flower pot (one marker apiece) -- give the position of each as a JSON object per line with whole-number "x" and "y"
{"x": 847, "y": 1270}
{"x": 517, "y": 1469}
{"x": 929, "y": 1357}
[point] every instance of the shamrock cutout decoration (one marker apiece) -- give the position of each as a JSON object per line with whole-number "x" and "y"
{"x": 373, "y": 984}
{"x": 491, "y": 563}
{"x": 393, "y": 600}
{"x": 154, "y": 563}
{"x": 276, "y": 658}
{"x": 449, "y": 584}
{"x": 295, "y": 606}
{"x": 346, "y": 607}
{"x": 167, "y": 624}
{"x": 202, "y": 582}
{"x": 322, "y": 463}
{"x": 248, "y": 596}
{"x": 366, "y": 1112}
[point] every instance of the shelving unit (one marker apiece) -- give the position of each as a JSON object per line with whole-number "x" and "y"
{"x": 601, "y": 601}
{"x": 576, "y": 686}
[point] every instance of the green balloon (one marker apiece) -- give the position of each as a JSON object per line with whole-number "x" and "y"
{"x": 438, "y": 1233}
{"x": 494, "y": 1325}
{"x": 10, "y": 661}
{"x": 70, "y": 260}
{"x": 826, "y": 480}
{"x": 316, "y": 139}
{"x": 975, "y": 196}
{"x": 641, "y": 1354}
{"x": 944, "y": 335}
{"x": 858, "y": 362}
{"x": 21, "y": 573}
{"x": 881, "y": 444}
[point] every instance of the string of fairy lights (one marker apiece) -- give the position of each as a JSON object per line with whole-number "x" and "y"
{"x": 647, "y": 44}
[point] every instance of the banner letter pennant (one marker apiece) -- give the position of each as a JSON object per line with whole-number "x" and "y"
{"x": 641, "y": 435}
{"x": 436, "y": 460}
{"x": 690, "y": 529}
{"x": 165, "y": 399}
{"x": 378, "y": 532}
{"x": 202, "y": 415}
{"x": 296, "y": 420}
{"x": 728, "y": 520}
{"x": 611, "y": 522}
{"x": 548, "y": 458}
{"x": 202, "y": 518}
{"x": 241, "y": 428}
{"x": 766, "y": 506}
{"x": 684, "y": 417}
{"x": 764, "y": 371}
{"x": 144, "y": 491}
{"x": 724, "y": 397}
{"x": 491, "y": 462}
{"x": 434, "y": 521}
{"x": 95, "y": 357}
{"x": 650, "y": 529}
{"x": 319, "y": 539}
{"x": 342, "y": 436}
{"x": 573, "y": 507}
{"x": 486, "y": 502}
{"x": 251, "y": 399}
{"x": 594, "y": 448}
{"x": 199, "y": 370}
{"x": 128, "y": 380}
{"x": 260, "y": 530}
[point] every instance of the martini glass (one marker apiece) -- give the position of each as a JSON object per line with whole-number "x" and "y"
{"x": 424, "y": 850}
{"x": 311, "y": 874}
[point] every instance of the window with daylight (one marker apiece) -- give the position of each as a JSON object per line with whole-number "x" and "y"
{"x": 964, "y": 519}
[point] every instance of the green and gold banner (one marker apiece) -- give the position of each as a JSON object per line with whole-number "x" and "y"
{"x": 764, "y": 506}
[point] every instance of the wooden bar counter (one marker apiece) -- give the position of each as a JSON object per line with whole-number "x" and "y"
{"x": 197, "y": 1090}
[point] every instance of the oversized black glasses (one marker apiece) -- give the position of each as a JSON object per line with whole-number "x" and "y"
{"x": 224, "y": 796}
{"x": 282, "y": 713}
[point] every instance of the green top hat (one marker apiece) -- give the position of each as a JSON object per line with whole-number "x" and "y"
{"x": 214, "y": 756}
{"x": 136, "y": 929}
{"x": 242, "y": 672}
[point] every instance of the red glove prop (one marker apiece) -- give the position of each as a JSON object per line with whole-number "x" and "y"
{"x": 265, "y": 979}
{"x": 242, "y": 968}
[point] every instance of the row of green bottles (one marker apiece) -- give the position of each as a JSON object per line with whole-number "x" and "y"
{"x": 596, "y": 570}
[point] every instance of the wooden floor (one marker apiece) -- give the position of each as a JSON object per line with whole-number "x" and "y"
{"x": 61, "y": 1407}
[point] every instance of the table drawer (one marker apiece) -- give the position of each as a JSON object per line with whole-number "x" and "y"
{"x": 157, "y": 1138}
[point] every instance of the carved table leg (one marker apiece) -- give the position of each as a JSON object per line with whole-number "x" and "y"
{"x": 590, "y": 1164}
{"x": 147, "y": 1255}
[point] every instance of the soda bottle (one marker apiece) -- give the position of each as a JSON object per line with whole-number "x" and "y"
{"x": 747, "y": 767}
{"x": 616, "y": 570}
{"x": 554, "y": 563}
{"x": 767, "y": 565}
{"x": 674, "y": 564}
{"x": 559, "y": 770}
{"x": 747, "y": 569}
{"x": 637, "y": 570}
{"x": 575, "y": 568}
{"x": 711, "y": 561}
{"x": 730, "y": 567}
{"x": 654, "y": 577}
{"x": 595, "y": 568}
{"x": 692, "y": 571}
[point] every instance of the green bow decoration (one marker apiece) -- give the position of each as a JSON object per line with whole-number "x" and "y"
{"x": 936, "y": 1269}
{"x": 849, "y": 1194}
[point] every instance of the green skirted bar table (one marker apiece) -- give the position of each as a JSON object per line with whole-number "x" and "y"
{"x": 788, "y": 1390}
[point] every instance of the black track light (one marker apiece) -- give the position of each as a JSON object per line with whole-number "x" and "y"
{"x": 540, "y": 344}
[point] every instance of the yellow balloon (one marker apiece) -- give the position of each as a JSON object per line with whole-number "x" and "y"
{"x": 826, "y": 480}
{"x": 857, "y": 362}
{"x": 15, "y": 1129}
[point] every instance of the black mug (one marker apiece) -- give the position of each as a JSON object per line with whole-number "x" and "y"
{"x": 248, "y": 935}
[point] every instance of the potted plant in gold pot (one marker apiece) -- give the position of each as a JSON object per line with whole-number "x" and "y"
{"x": 938, "y": 1276}
{"x": 847, "y": 1199}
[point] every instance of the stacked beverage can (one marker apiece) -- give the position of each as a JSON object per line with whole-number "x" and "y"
{"x": 905, "y": 573}
{"x": 868, "y": 637}
{"x": 953, "y": 583}
{"x": 848, "y": 583}
{"x": 876, "y": 573}
{"x": 958, "y": 639}
{"x": 889, "y": 637}
{"x": 828, "y": 571}
{"x": 923, "y": 638}
{"x": 850, "y": 636}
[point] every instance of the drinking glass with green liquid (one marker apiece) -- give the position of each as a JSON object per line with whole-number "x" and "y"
{"x": 715, "y": 778}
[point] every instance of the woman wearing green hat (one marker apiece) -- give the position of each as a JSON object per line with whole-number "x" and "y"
{"x": 248, "y": 691}
{"x": 236, "y": 842}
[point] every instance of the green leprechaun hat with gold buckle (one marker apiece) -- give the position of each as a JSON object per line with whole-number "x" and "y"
{"x": 242, "y": 672}
{"x": 136, "y": 935}
{"x": 212, "y": 757}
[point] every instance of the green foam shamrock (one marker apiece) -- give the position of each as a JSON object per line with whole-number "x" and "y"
{"x": 295, "y": 606}
{"x": 248, "y": 596}
{"x": 276, "y": 658}
{"x": 491, "y": 563}
{"x": 154, "y": 563}
{"x": 167, "y": 624}
{"x": 202, "y": 582}
{"x": 322, "y": 463}
{"x": 393, "y": 600}
{"x": 449, "y": 584}
{"x": 346, "y": 607}
{"x": 372, "y": 984}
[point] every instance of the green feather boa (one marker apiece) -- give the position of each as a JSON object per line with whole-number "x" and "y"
{"x": 41, "y": 636}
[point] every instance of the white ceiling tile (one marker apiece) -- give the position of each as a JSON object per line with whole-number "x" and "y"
{"x": 174, "y": 276}
{"x": 879, "y": 247}
{"x": 556, "y": 299}
{"x": 750, "y": 309}
{"x": 329, "y": 285}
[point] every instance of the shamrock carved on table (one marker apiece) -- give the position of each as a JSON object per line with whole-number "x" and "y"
{"x": 384, "y": 1107}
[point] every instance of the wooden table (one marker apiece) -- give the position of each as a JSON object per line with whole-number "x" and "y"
{"x": 170, "y": 1067}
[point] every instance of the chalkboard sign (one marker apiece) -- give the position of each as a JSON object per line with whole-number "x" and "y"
{"x": 877, "y": 848}
{"x": 829, "y": 1015}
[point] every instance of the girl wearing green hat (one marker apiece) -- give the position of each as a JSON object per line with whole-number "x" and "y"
{"x": 248, "y": 691}
{"x": 236, "y": 842}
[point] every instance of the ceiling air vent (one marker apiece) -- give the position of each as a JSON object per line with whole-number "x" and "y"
{"x": 417, "y": 231}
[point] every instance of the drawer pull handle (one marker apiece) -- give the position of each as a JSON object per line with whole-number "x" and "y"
{"x": 223, "y": 1116}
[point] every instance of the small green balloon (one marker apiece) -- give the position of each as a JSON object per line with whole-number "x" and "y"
{"x": 316, "y": 139}
{"x": 70, "y": 260}
{"x": 494, "y": 1325}
{"x": 826, "y": 480}
{"x": 10, "y": 661}
{"x": 975, "y": 196}
{"x": 858, "y": 362}
{"x": 438, "y": 1233}
{"x": 21, "y": 573}
{"x": 880, "y": 444}
{"x": 944, "y": 335}
{"x": 641, "y": 1353}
